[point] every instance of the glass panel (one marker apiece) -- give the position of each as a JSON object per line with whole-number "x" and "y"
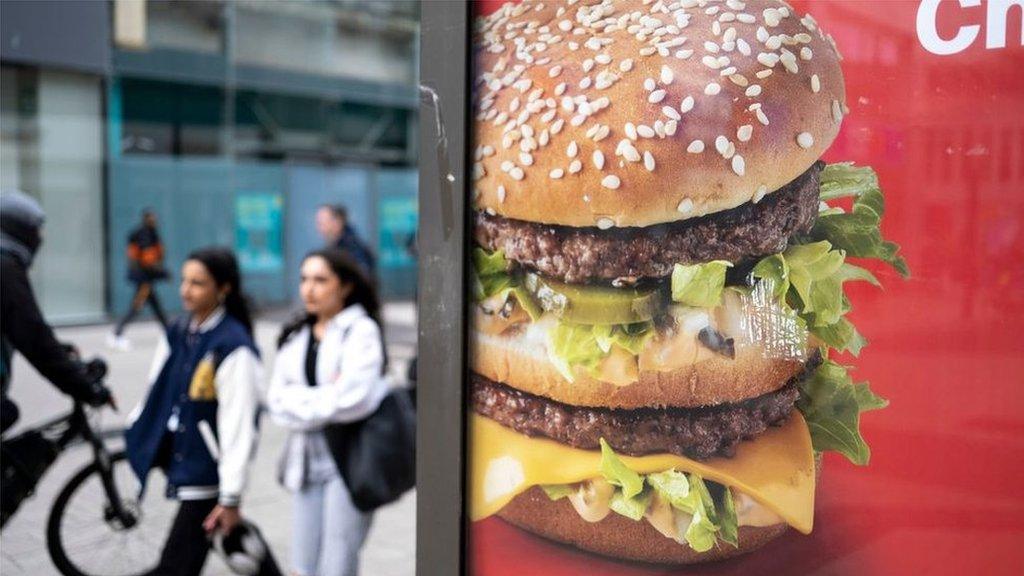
{"x": 53, "y": 150}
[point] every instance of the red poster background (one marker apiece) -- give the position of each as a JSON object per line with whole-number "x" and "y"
{"x": 943, "y": 493}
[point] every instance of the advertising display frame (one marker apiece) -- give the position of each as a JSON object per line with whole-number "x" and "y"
{"x": 442, "y": 247}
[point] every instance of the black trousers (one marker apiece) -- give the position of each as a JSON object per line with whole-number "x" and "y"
{"x": 187, "y": 545}
{"x": 137, "y": 304}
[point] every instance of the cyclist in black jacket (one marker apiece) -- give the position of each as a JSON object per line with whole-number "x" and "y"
{"x": 22, "y": 324}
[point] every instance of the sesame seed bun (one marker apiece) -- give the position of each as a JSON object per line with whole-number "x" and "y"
{"x": 618, "y": 536}
{"x": 534, "y": 157}
{"x": 515, "y": 362}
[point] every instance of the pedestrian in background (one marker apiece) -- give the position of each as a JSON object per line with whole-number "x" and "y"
{"x": 199, "y": 420}
{"x": 145, "y": 267}
{"x": 329, "y": 369}
{"x": 334, "y": 227}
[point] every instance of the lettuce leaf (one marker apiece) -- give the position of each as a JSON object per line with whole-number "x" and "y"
{"x": 633, "y": 507}
{"x": 809, "y": 279}
{"x": 557, "y": 491}
{"x": 728, "y": 523}
{"x": 699, "y": 285}
{"x": 857, "y": 232}
{"x": 689, "y": 494}
{"x": 571, "y": 345}
{"x": 491, "y": 277}
{"x": 630, "y": 337}
{"x": 618, "y": 474}
{"x": 832, "y": 404}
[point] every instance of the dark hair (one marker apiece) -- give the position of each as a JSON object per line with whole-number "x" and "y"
{"x": 363, "y": 292}
{"x": 223, "y": 266}
{"x": 337, "y": 210}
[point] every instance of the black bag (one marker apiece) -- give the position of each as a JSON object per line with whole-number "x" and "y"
{"x": 376, "y": 456}
{"x": 23, "y": 461}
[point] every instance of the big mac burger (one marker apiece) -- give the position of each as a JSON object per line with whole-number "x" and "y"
{"x": 659, "y": 265}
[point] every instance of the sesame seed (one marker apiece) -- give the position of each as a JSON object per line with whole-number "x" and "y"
{"x": 805, "y": 140}
{"x": 557, "y": 126}
{"x": 630, "y": 131}
{"x": 686, "y": 105}
{"x": 647, "y": 51}
{"x": 626, "y": 65}
{"x": 501, "y": 194}
{"x": 739, "y": 79}
{"x": 565, "y": 25}
{"x": 606, "y": 223}
{"x": 728, "y": 71}
{"x": 685, "y": 207}
{"x": 761, "y": 116}
{"x": 556, "y": 173}
{"x": 759, "y": 194}
{"x": 659, "y": 127}
{"x": 603, "y": 58}
{"x": 721, "y": 144}
{"x": 572, "y": 149}
{"x": 711, "y": 47}
{"x": 815, "y": 83}
{"x": 805, "y": 53}
{"x": 554, "y": 71}
{"x": 712, "y": 88}
{"x": 649, "y": 161}
{"x": 577, "y": 120}
{"x": 628, "y": 152}
{"x": 645, "y": 131}
{"x": 710, "y": 62}
{"x": 516, "y": 173}
{"x": 753, "y": 90}
{"x": 526, "y": 159}
{"x": 649, "y": 84}
{"x": 671, "y": 112}
{"x": 585, "y": 83}
{"x": 544, "y": 137}
{"x": 560, "y": 89}
{"x": 746, "y": 18}
{"x": 489, "y": 150}
{"x": 762, "y": 74}
{"x": 598, "y": 158}
{"x": 744, "y": 132}
{"x": 507, "y": 166}
{"x": 762, "y": 34}
{"x": 738, "y": 165}
{"x": 837, "y": 112}
{"x": 612, "y": 182}
{"x": 769, "y": 59}
{"x": 695, "y": 147}
{"x": 656, "y": 96}
{"x": 575, "y": 166}
{"x": 670, "y": 128}
{"x": 666, "y": 75}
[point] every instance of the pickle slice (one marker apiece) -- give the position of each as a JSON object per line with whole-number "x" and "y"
{"x": 594, "y": 304}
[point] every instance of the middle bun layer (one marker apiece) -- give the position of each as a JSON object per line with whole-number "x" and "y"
{"x": 519, "y": 360}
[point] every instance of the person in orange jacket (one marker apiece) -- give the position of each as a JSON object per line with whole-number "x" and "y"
{"x": 145, "y": 268}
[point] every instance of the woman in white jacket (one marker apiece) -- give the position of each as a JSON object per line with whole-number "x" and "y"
{"x": 329, "y": 369}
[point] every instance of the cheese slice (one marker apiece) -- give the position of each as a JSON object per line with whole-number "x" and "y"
{"x": 776, "y": 469}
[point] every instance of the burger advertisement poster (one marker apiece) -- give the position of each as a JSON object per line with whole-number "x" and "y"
{"x": 746, "y": 283}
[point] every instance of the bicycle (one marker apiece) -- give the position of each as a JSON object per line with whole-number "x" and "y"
{"x": 96, "y": 526}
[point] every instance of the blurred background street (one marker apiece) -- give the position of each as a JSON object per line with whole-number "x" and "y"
{"x": 390, "y": 549}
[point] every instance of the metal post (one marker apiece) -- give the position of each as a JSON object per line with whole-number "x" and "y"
{"x": 444, "y": 74}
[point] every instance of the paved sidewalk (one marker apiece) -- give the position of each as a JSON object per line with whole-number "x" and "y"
{"x": 390, "y": 549}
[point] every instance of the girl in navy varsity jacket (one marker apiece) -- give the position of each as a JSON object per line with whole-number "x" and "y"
{"x": 198, "y": 422}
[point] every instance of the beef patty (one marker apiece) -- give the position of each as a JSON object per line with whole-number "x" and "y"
{"x": 589, "y": 254}
{"x": 697, "y": 433}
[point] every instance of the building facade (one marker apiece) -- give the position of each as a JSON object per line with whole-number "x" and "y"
{"x": 232, "y": 120}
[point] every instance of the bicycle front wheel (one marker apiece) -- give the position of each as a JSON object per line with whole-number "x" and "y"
{"x": 86, "y": 537}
